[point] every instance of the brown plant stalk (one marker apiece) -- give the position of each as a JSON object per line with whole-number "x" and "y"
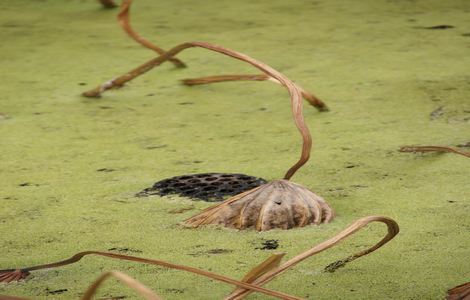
{"x": 124, "y": 20}
{"x": 5, "y": 274}
{"x": 255, "y": 278}
{"x": 312, "y": 99}
{"x": 460, "y": 292}
{"x": 5, "y": 297}
{"x": 294, "y": 91}
{"x": 392, "y": 227}
{"x": 141, "y": 289}
{"x": 434, "y": 149}
{"x": 126, "y": 279}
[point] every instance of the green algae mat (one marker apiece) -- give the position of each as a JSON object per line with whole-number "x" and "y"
{"x": 392, "y": 73}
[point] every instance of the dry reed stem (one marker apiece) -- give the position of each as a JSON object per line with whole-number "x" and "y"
{"x": 75, "y": 258}
{"x": 434, "y": 149}
{"x": 294, "y": 91}
{"x": 5, "y": 297}
{"x": 271, "y": 263}
{"x": 126, "y": 279}
{"x": 460, "y": 292}
{"x": 392, "y": 227}
{"x": 258, "y": 276}
{"x": 124, "y": 20}
{"x": 108, "y": 3}
{"x": 312, "y": 99}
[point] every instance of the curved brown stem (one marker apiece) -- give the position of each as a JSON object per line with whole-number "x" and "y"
{"x": 393, "y": 230}
{"x": 108, "y": 3}
{"x": 126, "y": 279}
{"x": 434, "y": 149}
{"x": 294, "y": 91}
{"x": 162, "y": 263}
{"x": 314, "y": 101}
{"x": 124, "y": 21}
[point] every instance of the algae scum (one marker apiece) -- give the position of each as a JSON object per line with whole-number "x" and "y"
{"x": 393, "y": 74}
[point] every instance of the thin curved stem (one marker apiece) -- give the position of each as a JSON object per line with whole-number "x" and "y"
{"x": 126, "y": 279}
{"x": 434, "y": 149}
{"x": 162, "y": 263}
{"x": 314, "y": 101}
{"x": 392, "y": 227}
{"x": 124, "y": 20}
{"x": 294, "y": 91}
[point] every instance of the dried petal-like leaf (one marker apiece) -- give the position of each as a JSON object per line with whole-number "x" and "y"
{"x": 7, "y": 276}
{"x": 277, "y": 204}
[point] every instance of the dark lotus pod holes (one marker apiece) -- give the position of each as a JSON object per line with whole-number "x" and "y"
{"x": 209, "y": 187}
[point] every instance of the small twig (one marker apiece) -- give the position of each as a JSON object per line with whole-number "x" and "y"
{"x": 294, "y": 91}
{"x": 393, "y": 230}
{"x": 314, "y": 101}
{"x": 434, "y": 149}
{"x": 108, "y": 3}
{"x": 80, "y": 255}
{"x": 126, "y": 279}
{"x": 124, "y": 21}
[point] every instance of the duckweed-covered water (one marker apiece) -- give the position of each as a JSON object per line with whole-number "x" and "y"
{"x": 389, "y": 79}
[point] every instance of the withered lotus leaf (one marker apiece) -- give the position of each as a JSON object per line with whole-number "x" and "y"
{"x": 277, "y": 204}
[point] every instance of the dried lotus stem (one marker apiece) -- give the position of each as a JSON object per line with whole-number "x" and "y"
{"x": 108, "y": 3}
{"x": 314, "y": 101}
{"x": 460, "y": 292}
{"x": 124, "y": 21}
{"x": 3, "y": 297}
{"x": 294, "y": 91}
{"x": 126, "y": 279}
{"x": 434, "y": 149}
{"x": 393, "y": 230}
{"x": 222, "y": 78}
{"x": 80, "y": 255}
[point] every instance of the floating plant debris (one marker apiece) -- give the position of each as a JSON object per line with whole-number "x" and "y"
{"x": 108, "y": 3}
{"x": 438, "y": 27}
{"x": 277, "y": 204}
{"x": 251, "y": 282}
{"x": 314, "y": 101}
{"x": 269, "y": 245}
{"x": 12, "y": 275}
{"x": 438, "y": 149}
{"x": 207, "y": 186}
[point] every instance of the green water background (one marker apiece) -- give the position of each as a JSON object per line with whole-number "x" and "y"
{"x": 379, "y": 70}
